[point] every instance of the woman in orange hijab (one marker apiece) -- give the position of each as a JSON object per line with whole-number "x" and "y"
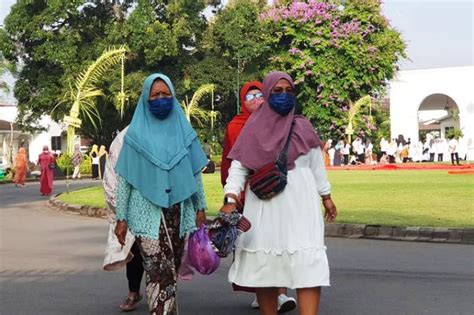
{"x": 251, "y": 98}
{"x": 21, "y": 163}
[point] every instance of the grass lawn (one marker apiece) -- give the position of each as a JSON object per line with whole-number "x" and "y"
{"x": 404, "y": 198}
{"x": 90, "y": 196}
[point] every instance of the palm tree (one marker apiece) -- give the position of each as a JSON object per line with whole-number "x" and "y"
{"x": 191, "y": 108}
{"x": 85, "y": 91}
{"x": 354, "y": 109}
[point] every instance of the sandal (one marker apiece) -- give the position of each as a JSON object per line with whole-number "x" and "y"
{"x": 130, "y": 303}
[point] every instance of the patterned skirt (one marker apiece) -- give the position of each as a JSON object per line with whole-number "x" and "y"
{"x": 161, "y": 262}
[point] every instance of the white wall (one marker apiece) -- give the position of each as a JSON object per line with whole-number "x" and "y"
{"x": 44, "y": 138}
{"x": 410, "y": 88}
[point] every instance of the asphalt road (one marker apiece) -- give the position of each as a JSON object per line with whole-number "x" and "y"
{"x": 50, "y": 263}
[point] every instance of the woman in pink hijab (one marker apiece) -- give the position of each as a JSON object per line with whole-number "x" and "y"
{"x": 47, "y": 162}
{"x": 285, "y": 246}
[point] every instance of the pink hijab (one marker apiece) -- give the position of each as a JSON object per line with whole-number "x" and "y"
{"x": 265, "y": 133}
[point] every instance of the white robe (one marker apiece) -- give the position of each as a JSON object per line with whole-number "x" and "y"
{"x": 285, "y": 246}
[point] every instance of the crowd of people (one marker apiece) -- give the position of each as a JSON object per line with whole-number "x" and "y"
{"x": 46, "y": 167}
{"x": 154, "y": 192}
{"x": 398, "y": 150}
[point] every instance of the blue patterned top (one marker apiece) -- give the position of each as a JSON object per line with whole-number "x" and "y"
{"x": 144, "y": 218}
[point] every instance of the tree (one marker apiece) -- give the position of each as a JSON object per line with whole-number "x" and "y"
{"x": 336, "y": 55}
{"x": 191, "y": 107}
{"x": 6, "y": 67}
{"x": 85, "y": 91}
{"x": 55, "y": 40}
{"x": 231, "y": 53}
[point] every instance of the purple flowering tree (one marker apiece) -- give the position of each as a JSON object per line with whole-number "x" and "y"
{"x": 336, "y": 56}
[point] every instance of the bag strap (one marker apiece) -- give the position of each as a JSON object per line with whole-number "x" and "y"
{"x": 283, "y": 156}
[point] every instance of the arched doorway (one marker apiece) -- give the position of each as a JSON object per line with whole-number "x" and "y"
{"x": 437, "y": 114}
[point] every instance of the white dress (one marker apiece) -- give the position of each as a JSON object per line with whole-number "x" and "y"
{"x": 285, "y": 246}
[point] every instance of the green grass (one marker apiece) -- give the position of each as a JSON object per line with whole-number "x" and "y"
{"x": 415, "y": 198}
{"x": 90, "y": 196}
{"x": 403, "y": 198}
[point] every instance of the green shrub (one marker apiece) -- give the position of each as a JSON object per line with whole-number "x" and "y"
{"x": 454, "y": 133}
{"x": 64, "y": 164}
{"x": 86, "y": 165}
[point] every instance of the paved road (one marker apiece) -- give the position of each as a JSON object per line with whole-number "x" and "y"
{"x": 50, "y": 264}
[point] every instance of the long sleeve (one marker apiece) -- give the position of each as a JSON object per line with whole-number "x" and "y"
{"x": 199, "y": 198}
{"x": 110, "y": 182}
{"x": 110, "y": 177}
{"x": 122, "y": 198}
{"x": 237, "y": 177}
{"x": 319, "y": 172}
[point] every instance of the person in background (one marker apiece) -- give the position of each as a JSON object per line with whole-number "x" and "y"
{"x": 453, "y": 150}
{"x": 21, "y": 167}
{"x": 404, "y": 154}
{"x": 94, "y": 154}
{"x": 346, "y": 150}
{"x": 383, "y": 146}
{"x": 337, "y": 154}
{"x": 327, "y": 156}
{"x": 48, "y": 163}
{"x": 103, "y": 156}
{"x": 359, "y": 150}
{"x": 432, "y": 148}
{"x": 76, "y": 162}
{"x": 391, "y": 151}
{"x": 368, "y": 152}
{"x": 443, "y": 149}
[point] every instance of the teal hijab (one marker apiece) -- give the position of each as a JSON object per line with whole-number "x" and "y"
{"x": 159, "y": 158}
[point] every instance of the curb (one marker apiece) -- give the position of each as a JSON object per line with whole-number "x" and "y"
{"x": 31, "y": 180}
{"x": 342, "y": 230}
{"x": 89, "y": 211}
{"x": 397, "y": 233}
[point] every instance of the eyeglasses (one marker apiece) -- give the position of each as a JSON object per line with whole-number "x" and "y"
{"x": 250, "y": 97}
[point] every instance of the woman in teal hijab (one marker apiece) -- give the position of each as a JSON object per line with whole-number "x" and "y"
{"x": 160, "y": 197}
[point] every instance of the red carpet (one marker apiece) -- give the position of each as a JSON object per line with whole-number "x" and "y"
{"x": 462, "y": 169}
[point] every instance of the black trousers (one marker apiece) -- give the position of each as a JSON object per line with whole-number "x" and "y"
{"x": 455, "y": 156}
{"x": 135, "y": 269}
{"x": 432, "y": 157}
{"x": 345, "y": 159}
{"x": 361, "y": 158}
{"x": 440, "y": 157}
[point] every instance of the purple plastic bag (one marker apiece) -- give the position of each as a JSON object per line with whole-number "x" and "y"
{"x": 200, "y": 253}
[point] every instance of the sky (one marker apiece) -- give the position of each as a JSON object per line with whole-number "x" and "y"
{"x": 438, "y": 33}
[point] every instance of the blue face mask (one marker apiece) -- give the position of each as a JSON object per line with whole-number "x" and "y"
{"x": 161, "y": 107}
{"x": 282, "y": 103}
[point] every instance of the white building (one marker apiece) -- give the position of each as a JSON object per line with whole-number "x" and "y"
{"x": 447, "y": 90}
{"x": 52, "y": 137}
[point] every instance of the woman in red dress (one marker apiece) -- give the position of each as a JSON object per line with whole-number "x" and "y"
{"x": 47, "y": 162}
{"x": 247, "y": 107}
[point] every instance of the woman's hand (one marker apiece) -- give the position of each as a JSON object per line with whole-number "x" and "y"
{"x": 121, "y": 231}
{"x": 228, "y": 208}
{"x": 330, "y": 211}
{"x": 236, "y": 204}
{"x": 200, "y": 218}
